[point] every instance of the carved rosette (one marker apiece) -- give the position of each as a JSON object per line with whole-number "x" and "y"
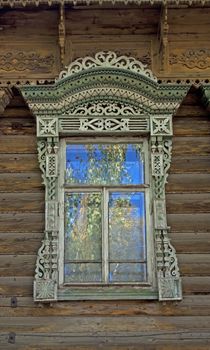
{"x": 91, "y": 96}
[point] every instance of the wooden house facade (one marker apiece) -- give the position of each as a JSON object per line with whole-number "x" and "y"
{"x": 38, "y": 39}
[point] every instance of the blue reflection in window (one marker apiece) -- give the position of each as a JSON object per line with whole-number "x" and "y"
{"x": 104, "y": 164}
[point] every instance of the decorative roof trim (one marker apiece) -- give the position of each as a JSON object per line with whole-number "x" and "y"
{"x": 105, "y": 77}
{"x": 106, "y": 60}
{"x": 23, "y": 3}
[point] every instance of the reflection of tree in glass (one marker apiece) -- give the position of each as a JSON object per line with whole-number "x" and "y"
{"x": 83, "y": 226}
{"x": 126, "y": 226}
{"x": 97, "y": 164}
{"x": 104, "y": 164}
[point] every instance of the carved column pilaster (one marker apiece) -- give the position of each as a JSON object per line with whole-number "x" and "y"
{"x": 169, "y": 283}
{"x": 46, "y": 273}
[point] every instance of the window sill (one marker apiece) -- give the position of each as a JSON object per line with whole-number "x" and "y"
{"x": 106, "y": 293}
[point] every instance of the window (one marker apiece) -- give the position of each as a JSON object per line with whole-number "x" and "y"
{"x": 106, "y": 225}
{"x": 104, "y": 131}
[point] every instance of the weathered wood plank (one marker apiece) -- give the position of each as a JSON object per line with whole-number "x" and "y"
{"x": 20, "y": 242}
{"x": 190, "y": 164}
{"x": 14, "y": 126}
{"x": 183, "y": 146}
{"x": 191, "y": 126}
{"x": 196, "y": 285}
{"x": 191, "y": 242}
{"x": 20, "y": 182}
{"x": 184, "y": 183}
{"x": 189, "y": 222}
{"x": 18, "y": 286}
{"x": 187, "y": 340}
{"x": 17, "y": 265}
{"x": 14, "y": 163}
{"x": 194, "y": 264}
{"x": 186, "y": 111}
{"x": 184, "y": 203}
{"x": 190, "y": 306}
{"x": 18, "y": 144}
{"x": 20, "y": 112}
{"x": 112, "y": 21}
{"x": 22, "y": 202}
{"x": 22, "y": 222}
{"x": 118, "y": 325}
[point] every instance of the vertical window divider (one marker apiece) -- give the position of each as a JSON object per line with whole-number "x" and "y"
{"x": 105, "y": 238}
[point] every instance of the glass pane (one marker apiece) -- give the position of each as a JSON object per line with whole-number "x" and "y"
{"x": 127, "y": 272}
{"x": 127, "y": 228}
{"x": 83, "y": 226}
{"x": 81, "y": 273}
{"x": 104, "y": 164}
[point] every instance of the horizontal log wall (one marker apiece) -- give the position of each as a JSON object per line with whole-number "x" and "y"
{"x": 117, "y": 324}
{"x": 126, "y": 325}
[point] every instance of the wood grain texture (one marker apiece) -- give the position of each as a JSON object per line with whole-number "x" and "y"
{"x": 17, "y": 163}
{"x": 114, "y": 325}
{"x": 22, "y": 202}
{"x": 21, "y": 182}
{"x": 21, "y": 222}
{"x": 20, "y": 243}
{"x": 188, "y": 203}
{"x": 18, "y": 144}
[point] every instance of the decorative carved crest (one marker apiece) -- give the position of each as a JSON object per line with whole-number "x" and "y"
{"x": 100, "y": 94}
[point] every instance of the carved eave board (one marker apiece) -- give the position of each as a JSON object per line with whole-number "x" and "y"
{"x": 14, "y": 3}
{"x": 99, "y": 95}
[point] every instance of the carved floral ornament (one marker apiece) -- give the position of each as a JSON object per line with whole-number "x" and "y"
{"x": 14, "y": 3}
{"x": 101, "y": 94}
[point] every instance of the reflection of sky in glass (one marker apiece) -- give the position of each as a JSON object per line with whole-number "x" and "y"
{"x": 104, "y": 164}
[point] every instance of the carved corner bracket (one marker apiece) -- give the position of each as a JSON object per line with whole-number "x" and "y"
{"x": 6, "y": 95}
{"x": 89, "y": 97}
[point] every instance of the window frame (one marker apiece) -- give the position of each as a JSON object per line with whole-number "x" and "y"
{"x": 147, "y": 289}
{"x": 105, "y": 94}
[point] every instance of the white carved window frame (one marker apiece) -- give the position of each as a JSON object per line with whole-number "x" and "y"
{"x": 146, "y": 289}
{"x": 105, "y": 95}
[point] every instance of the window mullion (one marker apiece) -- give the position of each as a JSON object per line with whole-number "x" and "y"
{"x": 105, "y": 242}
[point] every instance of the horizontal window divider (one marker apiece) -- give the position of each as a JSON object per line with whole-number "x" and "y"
{"x": 80, "y": 187}
{"x": 82, "y": 261}
{"x": 127, "y": 261}
{"x": 109, "y": 261}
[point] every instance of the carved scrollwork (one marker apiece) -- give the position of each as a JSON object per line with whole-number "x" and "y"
{"x": 104, "y": 124}
{"x": 20, "y": 61}
{"x": 105, "y": 108}
{"x": 192, "y": 58}
{"x": 106, "y": 60}
{"x": 168, "y": 272}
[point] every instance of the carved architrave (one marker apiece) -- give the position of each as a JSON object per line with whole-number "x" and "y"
{"x": 89, "y": 96}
